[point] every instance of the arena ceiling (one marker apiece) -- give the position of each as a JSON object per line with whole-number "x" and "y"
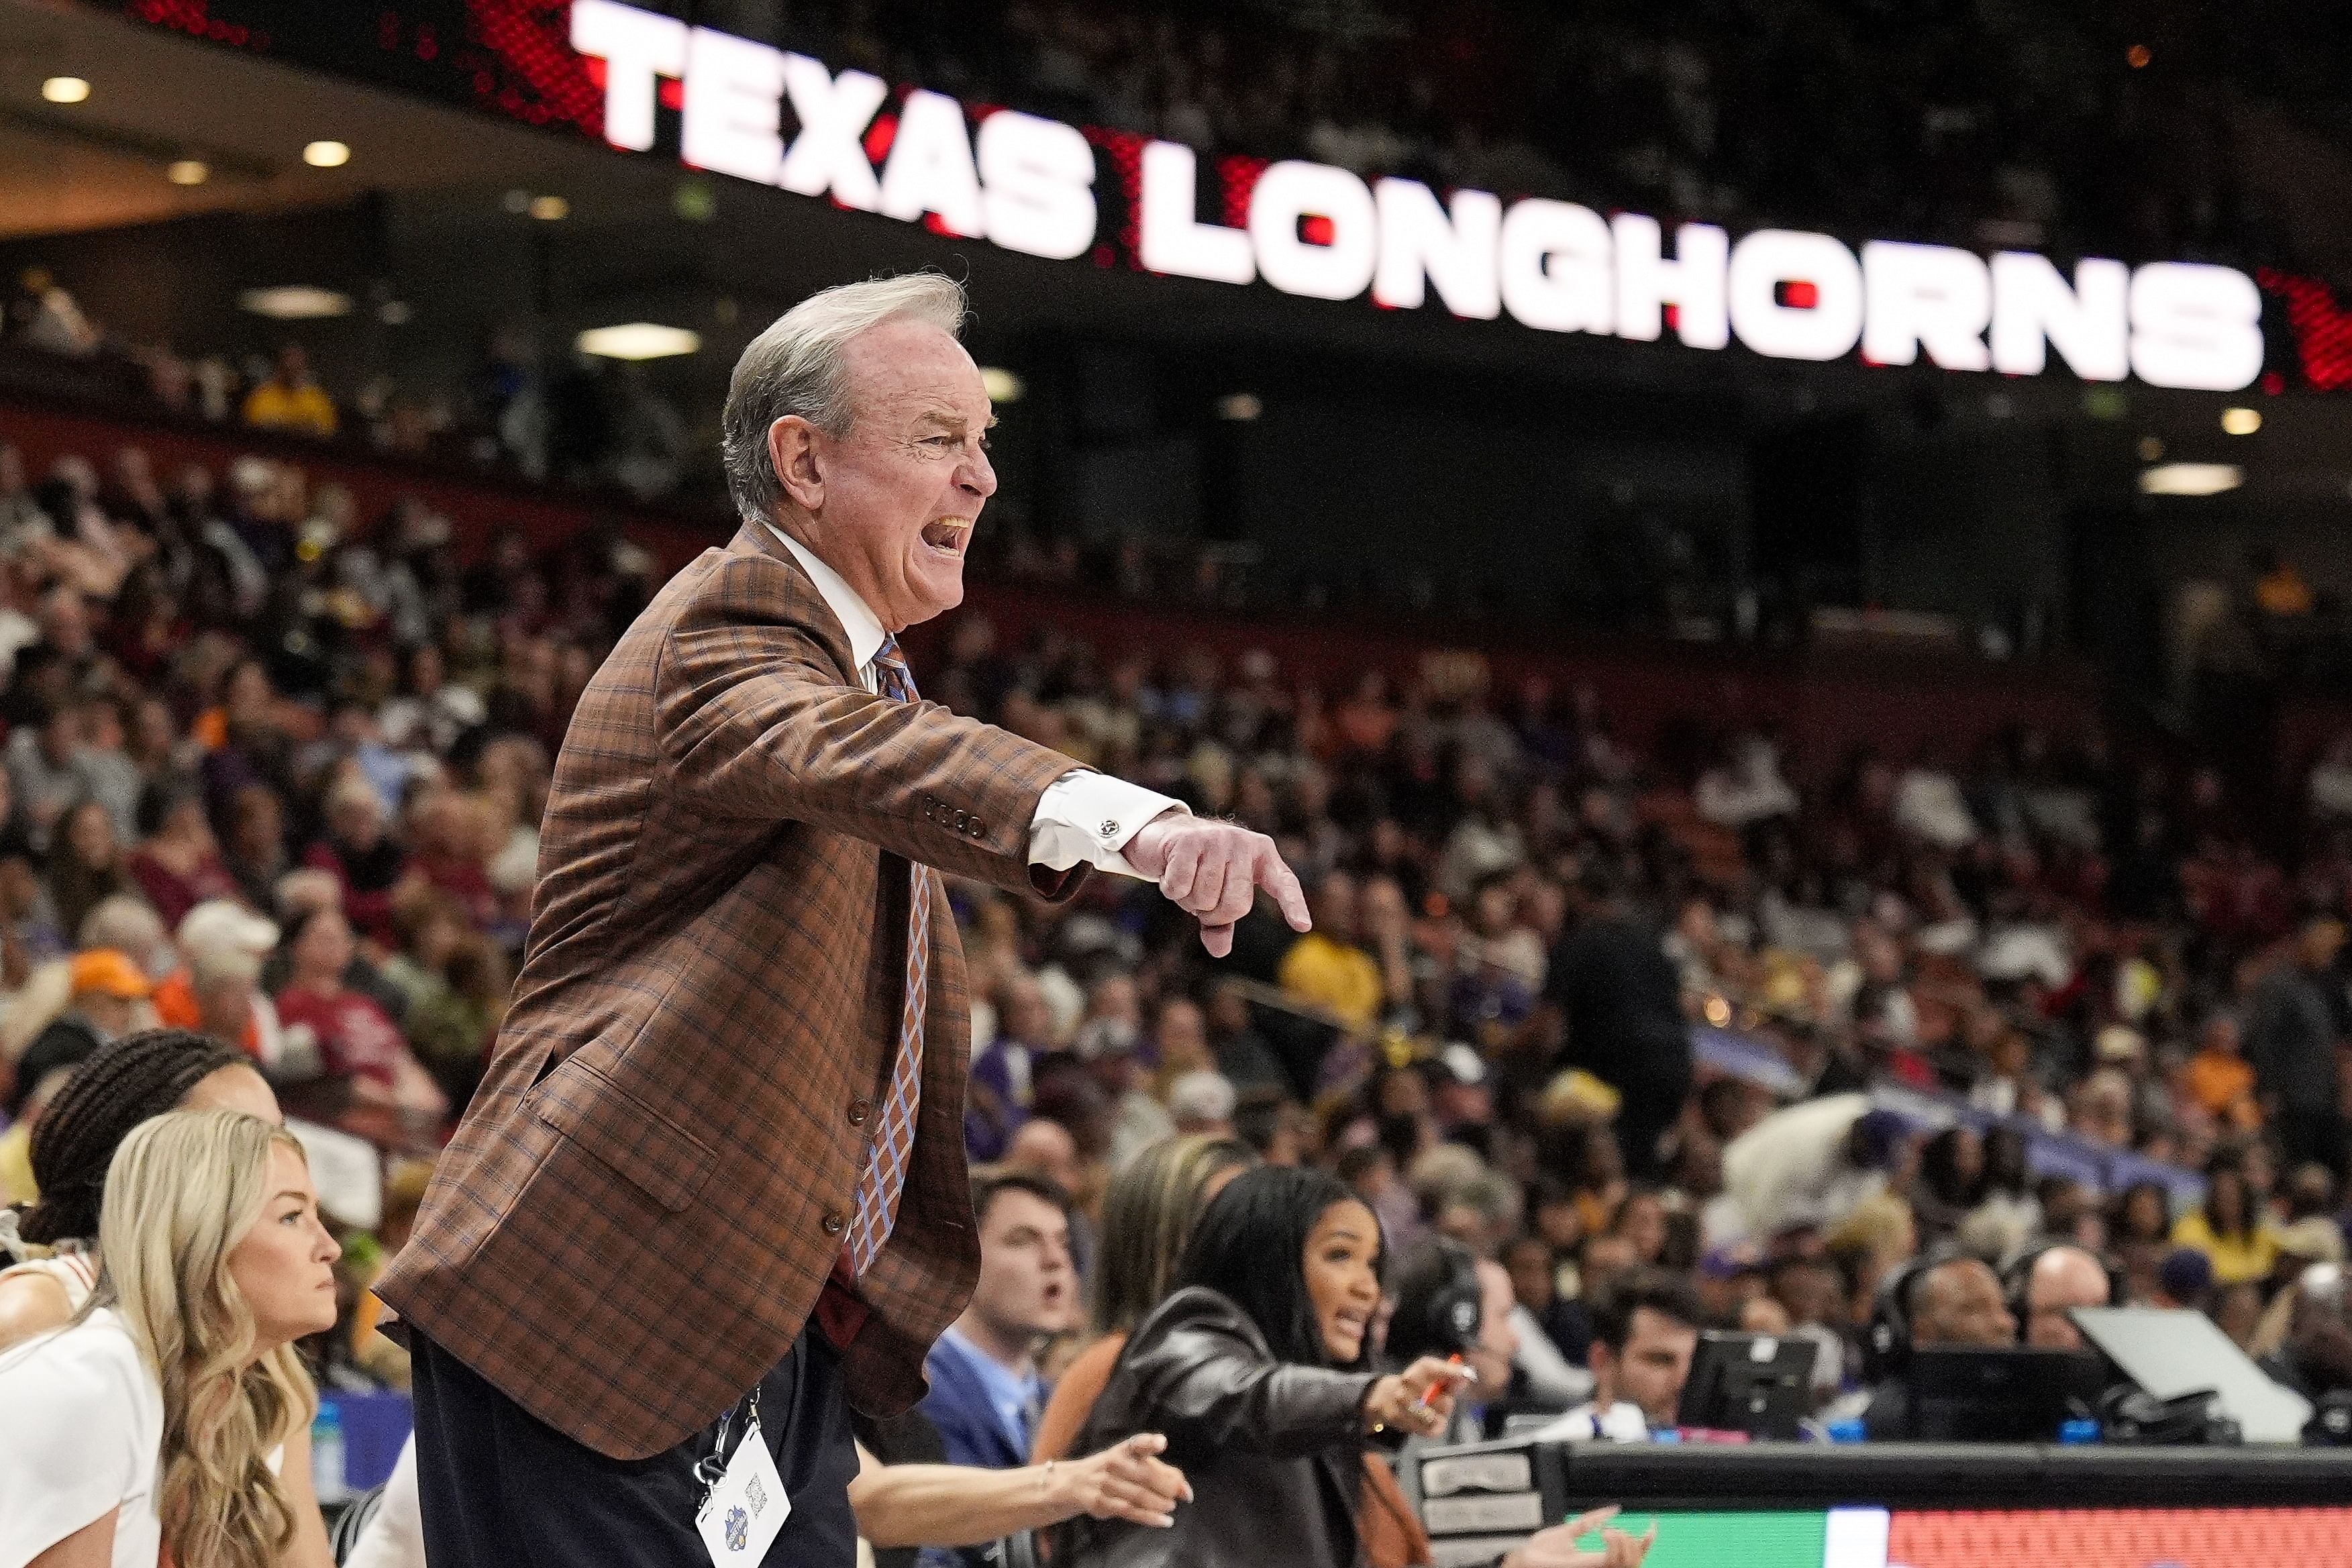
{"x": 156, "y": 99}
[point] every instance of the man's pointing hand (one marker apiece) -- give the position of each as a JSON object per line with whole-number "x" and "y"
{"x": 1213, "y": 870}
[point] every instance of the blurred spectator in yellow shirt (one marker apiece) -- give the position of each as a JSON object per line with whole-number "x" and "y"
{"x": 2230, "y": 1229}
{"x": 291, "y": 400}
{"x": 1326, "y": 966}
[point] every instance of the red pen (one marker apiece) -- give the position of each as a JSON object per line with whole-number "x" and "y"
{"x": 1469, "y": 1374}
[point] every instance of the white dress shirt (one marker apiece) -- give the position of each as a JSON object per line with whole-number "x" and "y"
{"x": 1082, "y": 816}
{"x": 1620, "y": 1422}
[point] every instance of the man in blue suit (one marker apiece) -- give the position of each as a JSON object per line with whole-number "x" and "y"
{"x": 985, "y": 1391}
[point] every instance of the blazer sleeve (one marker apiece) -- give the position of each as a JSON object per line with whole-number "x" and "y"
{"x": 756, "y": 723}
{"x": 1218, "y": 1390}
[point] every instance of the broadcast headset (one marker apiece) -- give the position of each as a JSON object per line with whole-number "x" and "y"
{"x": 2018, "y": 1275}
{"x": 1439, "y": 1301}
{"x": 1886, "y": 1347}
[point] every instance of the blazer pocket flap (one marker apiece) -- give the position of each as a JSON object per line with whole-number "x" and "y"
{"x": 643, "y": 1146}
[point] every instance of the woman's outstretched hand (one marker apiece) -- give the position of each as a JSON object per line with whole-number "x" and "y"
{"x": 1557, "y": 1548}
{"x": 1418, "y": 1401}
{"x": 1128, "y": 1480}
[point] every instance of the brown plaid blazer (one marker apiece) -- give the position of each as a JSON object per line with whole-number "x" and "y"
{"x": 650, "y": 1186}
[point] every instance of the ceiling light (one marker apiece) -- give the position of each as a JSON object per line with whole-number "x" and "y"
{"x": 326, "y": 154}
{"x": 550, "y": 209}
{"x": 637, "y": 341}
{"x": 295, "y": 302}
{"x": 2137, "y": 56}
{"x": 2151, "y": 448}
{"x": 2242, "y": 421}
{"x": 516, "y": 202}
{"x": 65, "y": 89}
{"x": 1001, "y": 384}
{"x": 2191, "y": 479}
{"x": 394, "y": 313}
{"x": 188, "y": 171}
{"x": 1240, "y": 406}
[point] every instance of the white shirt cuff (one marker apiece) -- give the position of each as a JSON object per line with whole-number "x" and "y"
{"x": 1089, "y": 815}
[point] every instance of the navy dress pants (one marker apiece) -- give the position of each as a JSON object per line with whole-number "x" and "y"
{"x": 501, "y": 1488}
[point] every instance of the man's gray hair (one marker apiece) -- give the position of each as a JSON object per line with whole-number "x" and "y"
{"x": 796, "y": 367}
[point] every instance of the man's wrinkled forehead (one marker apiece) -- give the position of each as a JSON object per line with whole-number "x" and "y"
{"x": 905, "y": 374}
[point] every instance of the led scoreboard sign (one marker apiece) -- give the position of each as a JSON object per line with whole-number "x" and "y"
{"x": 1026, "y": 184}
{"x": 1037, "y": 186}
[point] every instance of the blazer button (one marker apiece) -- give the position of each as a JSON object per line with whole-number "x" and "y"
{"x": 979, "y": 830}
{"x": 857, "y": 1113}
{"x": 834, "y": 1224}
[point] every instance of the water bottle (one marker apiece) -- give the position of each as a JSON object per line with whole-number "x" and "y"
{"x": 1849, "y": 1430}
{"x": 327, "y": 1454}
{"x": 2078, "y": 1430}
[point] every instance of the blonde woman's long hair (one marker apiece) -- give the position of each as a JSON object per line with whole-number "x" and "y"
{"x": 1148, "y": 1215}
{"x": 183, "y": 1191}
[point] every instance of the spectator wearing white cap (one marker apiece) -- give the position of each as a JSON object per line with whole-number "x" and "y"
{"x": 224, "y": 944}
{"x": 1202, "y": 1102}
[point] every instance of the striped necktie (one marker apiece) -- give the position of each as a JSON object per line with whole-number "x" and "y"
{"x": 893, "y": 1140}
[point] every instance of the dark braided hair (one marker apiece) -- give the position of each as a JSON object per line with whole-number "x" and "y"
{"x": 120, "y": 1085}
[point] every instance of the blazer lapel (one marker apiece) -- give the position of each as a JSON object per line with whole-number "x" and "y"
{"x": 807, "y": 607}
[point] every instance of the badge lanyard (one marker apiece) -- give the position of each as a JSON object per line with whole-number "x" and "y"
{"x": 743, "y": 1505}
{"x": 711, "y": 1468}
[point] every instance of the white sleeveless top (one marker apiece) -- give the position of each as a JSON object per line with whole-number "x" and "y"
{"x": 77, "y": 1271}
{"x": 86, "y": 1422}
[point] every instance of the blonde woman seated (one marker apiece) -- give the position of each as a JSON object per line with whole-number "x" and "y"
{"x": 147, "y": 1423}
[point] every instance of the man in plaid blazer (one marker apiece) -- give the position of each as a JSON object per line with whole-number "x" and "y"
{"x": 714, "y": 1178}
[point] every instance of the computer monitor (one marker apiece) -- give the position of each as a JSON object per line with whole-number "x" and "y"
{"x": 1757, "y": 1384}
{"x": 2012, "y": 1395}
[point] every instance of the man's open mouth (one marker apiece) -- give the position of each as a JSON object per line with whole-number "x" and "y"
{"x": 948, "y": 534}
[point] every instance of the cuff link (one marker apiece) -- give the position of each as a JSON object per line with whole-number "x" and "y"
{"x": 1110, "y": 829}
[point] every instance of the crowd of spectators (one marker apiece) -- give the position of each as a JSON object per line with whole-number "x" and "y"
{"x": 1519, "y": 924}
{"x": 274, "y": 772}
{"x": 576, "y": 420}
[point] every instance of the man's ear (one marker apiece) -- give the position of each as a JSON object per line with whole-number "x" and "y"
{"x": 792, "y": 448}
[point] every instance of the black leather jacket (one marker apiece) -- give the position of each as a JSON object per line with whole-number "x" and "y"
{"x": 1274, "y": 1451}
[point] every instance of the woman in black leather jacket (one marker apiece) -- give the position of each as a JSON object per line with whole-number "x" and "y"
{"x": 1258, "y": 1371}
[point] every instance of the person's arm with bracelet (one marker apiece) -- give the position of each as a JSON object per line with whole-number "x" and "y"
{"x": 958, "y": 1505}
